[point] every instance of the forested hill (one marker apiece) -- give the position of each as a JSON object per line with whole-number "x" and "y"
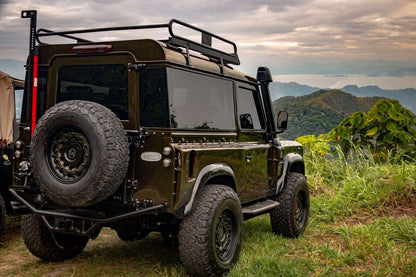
{"x": 319, "y": 112}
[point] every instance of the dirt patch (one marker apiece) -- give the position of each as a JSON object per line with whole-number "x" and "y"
{"x": 403, "y": 207}
{"x": 359, "y": 219}
{"x": 401, "y": 211}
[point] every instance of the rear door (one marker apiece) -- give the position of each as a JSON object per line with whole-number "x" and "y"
{"x": 102, "y": 79}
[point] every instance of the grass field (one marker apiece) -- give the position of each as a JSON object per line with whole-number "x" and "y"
{"x": 362, "y": 223}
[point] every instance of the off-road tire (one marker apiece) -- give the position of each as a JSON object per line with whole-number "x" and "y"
{"x": 79, "y": 153}
{"x": 216, "y": 212}
{"x": 2, "y": 214}
{"x": 43, "y": 244}
{"x": 290, "y": 218}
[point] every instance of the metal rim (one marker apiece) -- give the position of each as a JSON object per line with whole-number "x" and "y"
{"x": 300, "y": 208}
{"x": 68, "y": 154}
{"x": 226, "y": 236}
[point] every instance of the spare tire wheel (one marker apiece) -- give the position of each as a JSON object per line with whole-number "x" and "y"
{"x": 79, "y": 153}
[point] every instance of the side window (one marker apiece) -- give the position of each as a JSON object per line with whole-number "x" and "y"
{"x": 248, "y": 109}
{"x": 200, "y": 102}
{"x": 106, "y": 84}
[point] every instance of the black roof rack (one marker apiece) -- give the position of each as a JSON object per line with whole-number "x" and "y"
{"x": 204, "y": 47}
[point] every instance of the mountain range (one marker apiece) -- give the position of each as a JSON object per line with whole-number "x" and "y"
{"x": 317, "y": 113}
{"x": 406, "y": 97}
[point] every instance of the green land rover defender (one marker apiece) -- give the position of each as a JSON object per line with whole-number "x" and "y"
{"x": 151, "y": 136}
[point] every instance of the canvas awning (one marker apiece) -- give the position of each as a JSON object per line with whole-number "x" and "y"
{"x": 7, "y": 105}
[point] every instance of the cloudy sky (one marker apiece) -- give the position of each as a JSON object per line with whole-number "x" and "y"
{"x": 325, "y": 43}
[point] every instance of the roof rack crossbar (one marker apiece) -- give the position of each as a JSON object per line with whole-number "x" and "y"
{"x": 205, "y": 47}
{"x": 42, "y": 31}
{"x": 66, "y": 33}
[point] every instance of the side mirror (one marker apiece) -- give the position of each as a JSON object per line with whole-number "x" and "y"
{"x": 264, "y": 75}
{"x": 282, "y": 118}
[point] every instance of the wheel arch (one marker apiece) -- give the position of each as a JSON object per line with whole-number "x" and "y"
{"x": 293, "y": 162}
{"x": 217, "y": 173}
{"x": 298, "y": 166}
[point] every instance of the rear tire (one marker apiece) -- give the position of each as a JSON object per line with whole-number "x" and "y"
{"x": 49, "y": 246}
{"x": 210, "y": 237}
{"x": 291, "y": 216}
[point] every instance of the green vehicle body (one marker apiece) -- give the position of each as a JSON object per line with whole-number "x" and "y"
{"x": 184, "y": 141}
{"x": 240, "y": 158}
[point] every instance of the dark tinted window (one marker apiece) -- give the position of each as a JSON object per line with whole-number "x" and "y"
{"x": 105, "y": 84}
{"x": 200, "y": 102}
{"x": 248, "y": 109}
{"x": 154, "y": 110}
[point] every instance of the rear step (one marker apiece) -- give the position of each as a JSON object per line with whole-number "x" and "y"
{"x": 259, "y": 208}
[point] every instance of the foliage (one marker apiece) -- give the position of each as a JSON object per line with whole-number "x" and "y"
{"x": 319, "y": 145}
{"x": 388, "y": 127}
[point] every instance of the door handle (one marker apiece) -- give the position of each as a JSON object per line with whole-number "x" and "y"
{"x": 248, "y": 158}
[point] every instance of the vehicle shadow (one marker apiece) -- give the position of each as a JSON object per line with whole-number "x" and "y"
{"x": 11, "y": 229}
{"x": 148, "y": 256}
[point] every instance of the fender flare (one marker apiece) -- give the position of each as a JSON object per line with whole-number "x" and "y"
{"x": 206, "y": 173}
{"x": 289, "y": 159}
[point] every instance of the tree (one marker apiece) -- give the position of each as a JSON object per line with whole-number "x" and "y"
{"x": 388, "y": 126}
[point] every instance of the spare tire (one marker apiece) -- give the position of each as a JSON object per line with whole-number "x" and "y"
{"x": 79, "y": 153}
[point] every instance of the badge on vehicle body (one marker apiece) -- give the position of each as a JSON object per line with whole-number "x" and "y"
{"x": 151, "y": 156}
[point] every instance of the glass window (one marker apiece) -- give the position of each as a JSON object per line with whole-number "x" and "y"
{"x": 248, "y": 109}
{"x": 154, "y": 109}
{"x": 200, "y": 102}
{"x": 106, "y": 84}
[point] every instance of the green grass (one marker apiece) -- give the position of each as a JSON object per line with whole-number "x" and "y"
{"x": 362, "y": 223}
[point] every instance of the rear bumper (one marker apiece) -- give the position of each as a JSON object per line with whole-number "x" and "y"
{"x": 80, "y": 222}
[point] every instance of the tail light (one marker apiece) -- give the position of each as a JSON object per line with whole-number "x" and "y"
{"x": 91, "y": 49}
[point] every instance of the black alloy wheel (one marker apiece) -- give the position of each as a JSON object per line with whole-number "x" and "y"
{"x": 226, "y": 240}
{"x": 69, "y": 154}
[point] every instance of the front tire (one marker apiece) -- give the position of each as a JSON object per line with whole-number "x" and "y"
{"x": 49, "y": 246}
{"x": 210, "y": 237}
{"x": 290, "y": 218}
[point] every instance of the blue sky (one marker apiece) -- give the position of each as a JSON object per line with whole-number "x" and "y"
{"x": 374, "y": 41}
